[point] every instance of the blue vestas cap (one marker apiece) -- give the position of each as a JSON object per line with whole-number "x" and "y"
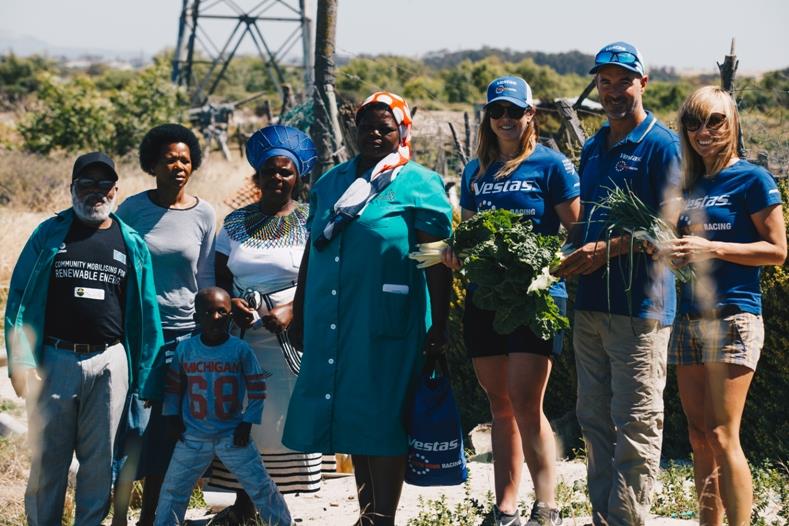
{"x": 620, "y": 54}
{"x": 511, "y": 89}
{"x": 285, "y": 141}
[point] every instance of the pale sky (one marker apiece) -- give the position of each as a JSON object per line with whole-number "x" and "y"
{"x": 686, "y": 34}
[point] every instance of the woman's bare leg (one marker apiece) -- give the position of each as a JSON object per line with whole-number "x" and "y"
{"x": 528, "y": 379}
{"x": 727, "y": 389}
{"x": 493, "y": 377}
{"x": 692, "y": 382}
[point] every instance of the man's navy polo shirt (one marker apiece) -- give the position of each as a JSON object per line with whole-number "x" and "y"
{"x": 647, "y": 161}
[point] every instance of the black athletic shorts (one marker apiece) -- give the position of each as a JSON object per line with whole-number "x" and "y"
{"x": 481, "y": 340}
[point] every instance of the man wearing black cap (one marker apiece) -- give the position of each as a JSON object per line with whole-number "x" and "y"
{"x": 82, "y": 328}
{"x": 621, "y": 333}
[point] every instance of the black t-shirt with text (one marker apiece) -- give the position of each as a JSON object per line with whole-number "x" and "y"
{"x": 87, "y": 286}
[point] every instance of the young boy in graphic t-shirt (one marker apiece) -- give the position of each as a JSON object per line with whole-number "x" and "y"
{"x": 203, "y": 403}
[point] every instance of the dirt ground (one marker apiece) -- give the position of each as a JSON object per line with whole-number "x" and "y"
{"x": 334, "y": 504}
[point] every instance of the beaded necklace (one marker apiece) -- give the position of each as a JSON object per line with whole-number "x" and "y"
{"x": 251, "y": 227}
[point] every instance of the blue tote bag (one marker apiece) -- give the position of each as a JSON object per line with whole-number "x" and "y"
{"x": 435, "y": 438}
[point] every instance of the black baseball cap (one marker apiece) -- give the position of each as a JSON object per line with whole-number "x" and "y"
{"x": 93, "y": 158}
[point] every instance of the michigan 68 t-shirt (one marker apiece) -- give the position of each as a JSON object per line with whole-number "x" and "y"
{"x": 719, "y": 208}
{"x": 86, "y": 289}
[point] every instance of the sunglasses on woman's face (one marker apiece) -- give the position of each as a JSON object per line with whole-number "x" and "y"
{"x": 693, "y": 123}
{"x": 497, "y": 111}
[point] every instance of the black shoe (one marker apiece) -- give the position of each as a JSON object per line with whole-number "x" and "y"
{"x": 542, "y": 515}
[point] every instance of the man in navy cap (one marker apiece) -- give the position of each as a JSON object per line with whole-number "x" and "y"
{"x": 621, "y": 333}
{"x": 82, "y": 328}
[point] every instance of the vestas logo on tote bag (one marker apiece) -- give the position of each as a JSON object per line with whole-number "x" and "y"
{"x": 434, "y": 446}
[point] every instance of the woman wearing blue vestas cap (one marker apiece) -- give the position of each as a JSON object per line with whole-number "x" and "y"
{"x": 514, "y": 172}
{"x": 258, "y": 252}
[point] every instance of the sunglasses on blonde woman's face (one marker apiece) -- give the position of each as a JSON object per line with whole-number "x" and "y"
{"x": 693, "y": 123}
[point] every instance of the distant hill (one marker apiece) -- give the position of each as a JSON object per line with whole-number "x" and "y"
{"x": 567, "y": 62}
{"x": 26, "y": 45}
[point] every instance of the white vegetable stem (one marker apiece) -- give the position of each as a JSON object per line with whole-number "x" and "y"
{"x": 429, "y": 254}
{"x": 542, "y": 281}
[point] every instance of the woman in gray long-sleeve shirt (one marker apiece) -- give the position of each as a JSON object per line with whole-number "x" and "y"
{"x": 179, "y": 230}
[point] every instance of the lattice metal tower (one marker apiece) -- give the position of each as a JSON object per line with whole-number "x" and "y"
{"x": 203, "y": 21}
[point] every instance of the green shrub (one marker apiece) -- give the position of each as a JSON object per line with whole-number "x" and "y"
{"x": 69, "y": 115}
{"x": 75, "y": 115}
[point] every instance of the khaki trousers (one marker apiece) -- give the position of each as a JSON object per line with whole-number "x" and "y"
{"x": 621, "y": 367}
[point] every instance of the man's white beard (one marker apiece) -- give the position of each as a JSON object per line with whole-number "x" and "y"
{"x": 87, "y": 211}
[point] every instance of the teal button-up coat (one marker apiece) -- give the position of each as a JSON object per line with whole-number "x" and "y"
{"x": 366, "y": 314}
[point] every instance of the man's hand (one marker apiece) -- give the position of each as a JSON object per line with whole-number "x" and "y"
{"x": 174, "y": 428}
{"x": 278, "y": 319}
{"x": 241, "y": 434}
{"x": 243, "y": 315}
{"x": 22, "y": 380}
{"x": 585, "y": 260}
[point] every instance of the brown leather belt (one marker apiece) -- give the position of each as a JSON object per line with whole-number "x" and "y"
{"x": 79, "y": 348}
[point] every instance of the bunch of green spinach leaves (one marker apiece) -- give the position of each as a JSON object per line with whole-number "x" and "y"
{"x": 502, "y": 255}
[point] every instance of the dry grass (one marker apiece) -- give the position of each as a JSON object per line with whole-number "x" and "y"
{"x": 14, "y": 466}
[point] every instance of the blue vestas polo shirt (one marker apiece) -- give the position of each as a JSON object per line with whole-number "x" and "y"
{"x": 719, "y": 208}
{"x": 648, "y": 161}
{"x": 545, "y": 179}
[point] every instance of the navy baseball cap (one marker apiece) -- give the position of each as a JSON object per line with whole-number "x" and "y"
{"x": 94, "y": 158}
{"x": 511, "y": 89}
{"x": 620, "y": 54}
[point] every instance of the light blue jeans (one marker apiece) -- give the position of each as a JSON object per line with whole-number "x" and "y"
{"x": 190, "y": 459}
{"x": 77, "y": 409}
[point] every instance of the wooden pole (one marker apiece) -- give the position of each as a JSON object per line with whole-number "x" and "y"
{"x": 458, "y": 146}
{"x": 467, "y": 129}
{"x": 728, "y": 70}
{"x": 570, "y": 122}
{"x": 325, "y": 130}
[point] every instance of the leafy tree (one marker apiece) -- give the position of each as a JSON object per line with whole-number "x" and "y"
{"x": 458, "y": 84}
{"x": 69, "y": 115}
{"x": 19, "y": 76}
{"x": 768, "y": 94}
{"x": 423, "y": 88}
{"x": 361, "y": 76}
{"x": 76, "y": 115}
{"x": 544, "y": 81}
{"x": 148, "y": 100}
{"x": 664, "y": 97}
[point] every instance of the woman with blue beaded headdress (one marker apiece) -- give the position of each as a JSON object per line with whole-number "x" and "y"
{"x": 258, "y": 253}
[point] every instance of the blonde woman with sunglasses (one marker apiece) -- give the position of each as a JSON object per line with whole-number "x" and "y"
{"x": 734, "y": 225}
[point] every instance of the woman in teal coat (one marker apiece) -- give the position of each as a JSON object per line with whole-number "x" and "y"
{"x": 366, "y": 309}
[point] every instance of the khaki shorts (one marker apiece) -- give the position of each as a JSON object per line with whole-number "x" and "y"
{"x": 737, "y": 339}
